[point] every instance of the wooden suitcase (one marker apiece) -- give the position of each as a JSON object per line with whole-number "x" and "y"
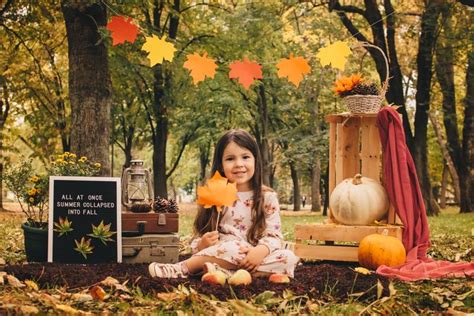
{"x": 163, "y": 248}
{"x": 136, "y": 224}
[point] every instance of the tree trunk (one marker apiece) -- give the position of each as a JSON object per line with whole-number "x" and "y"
{"x": 315, "y": 183}
{"x": 264, "y": 145}
{"x": 314, "y": 93}
{"x": 296, "y": 187}
{"x": 446, "y": 155}
{"x": 326, "y": 191}
{"x": 204, "y": 152}
{"x": 444, "y": 184}
{"x": 467, "y": 180}
{"x": 4, "y": 111}
{"x": 89, "y": 81}
{"x": 160, "y": 135}
{"x": 424, "y": 60}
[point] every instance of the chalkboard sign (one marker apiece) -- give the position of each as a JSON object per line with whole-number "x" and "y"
{"x": 84, "y": 220}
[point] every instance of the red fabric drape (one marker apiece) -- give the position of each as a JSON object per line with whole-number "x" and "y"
{"x": 403, "y": 189}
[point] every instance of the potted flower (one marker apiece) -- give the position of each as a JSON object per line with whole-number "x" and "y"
{"x": 359, "y": 95}
{"x": 31, "y": 191}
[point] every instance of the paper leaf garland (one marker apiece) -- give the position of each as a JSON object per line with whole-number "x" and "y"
{"x": 200, "y": 67}
{"x": 217, "y": 192}
{"x": 294, "y": 68}
{"x": 122, "y": 30}
{"x": 246, "y": 72}
{"x": 158, "y": 50}
{"x": 334, "y": 54}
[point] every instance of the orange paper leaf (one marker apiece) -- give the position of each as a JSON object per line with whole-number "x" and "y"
{"x": 122, "y": 30}
{"x": 294, "y": 68}
{"x": 200, "y": 66}
{"x": 246, "y": 71}
{"x": 217, "y": 192}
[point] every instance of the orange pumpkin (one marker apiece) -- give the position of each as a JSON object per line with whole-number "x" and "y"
{"x": 379, "y": 249}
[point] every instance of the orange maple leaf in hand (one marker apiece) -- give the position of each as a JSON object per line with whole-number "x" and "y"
{"x": 122, "y": 30}
{"x": 246, "y": 71}
{"x": 200, "y": 66}
{"x": 294, "y": 68}
{"x": 217, "y": 192}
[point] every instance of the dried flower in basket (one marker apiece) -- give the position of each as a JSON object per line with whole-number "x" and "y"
{"x": 354, "y": 85}
{"x": 217, "y": 192}
{"x": 358, "y": 95}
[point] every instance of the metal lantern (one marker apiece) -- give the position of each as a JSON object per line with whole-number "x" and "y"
{"x": 136, "y": 185}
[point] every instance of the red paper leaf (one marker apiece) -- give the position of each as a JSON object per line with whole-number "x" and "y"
{"x": 246, "y": 72}
{"x": 122, "y": 30}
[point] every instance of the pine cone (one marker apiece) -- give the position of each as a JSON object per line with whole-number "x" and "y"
{"x": 365, "y": 89}
{"x": 162, "y": 205}
{"x": 140, "y": 207}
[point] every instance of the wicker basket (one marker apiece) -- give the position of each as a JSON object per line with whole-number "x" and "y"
{"x": 358, "y": 104}
{"x": 363, "y": 103}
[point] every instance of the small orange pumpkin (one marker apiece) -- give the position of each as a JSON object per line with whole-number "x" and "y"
{"x": 380, "y": 249}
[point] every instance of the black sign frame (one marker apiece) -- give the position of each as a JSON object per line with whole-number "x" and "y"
{"x": 85, "y": 219}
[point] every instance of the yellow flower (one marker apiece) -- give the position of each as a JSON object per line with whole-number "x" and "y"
{"x": 34, "y": 179}
{"x": 31, "y": 200}
{"x": 32, "y": 192}
{"x": 72, "y": 163}
{"x": 82, "y": 159}
{"x": 97, "y": 165}
{"x": 66, "y": 154}
{"x": 73, "y": 156}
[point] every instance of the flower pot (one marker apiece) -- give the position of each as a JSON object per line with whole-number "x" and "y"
{"x": 36, "y": 243}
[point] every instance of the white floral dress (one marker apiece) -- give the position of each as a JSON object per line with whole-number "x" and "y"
{"x": 233, "y": 226}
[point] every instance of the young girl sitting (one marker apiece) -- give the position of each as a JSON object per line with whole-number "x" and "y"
{"x": 249, "y": 234}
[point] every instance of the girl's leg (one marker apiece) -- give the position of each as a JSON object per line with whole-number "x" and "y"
{"x": 195, "y": 264}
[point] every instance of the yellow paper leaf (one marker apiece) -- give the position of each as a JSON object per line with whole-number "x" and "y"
{"x": 200, "y": 67}
{"x": 158, "y": 49}
{"x": 217, "y": 192}
{"x": 294, "y": 68}
{"x": 334, "y": 54}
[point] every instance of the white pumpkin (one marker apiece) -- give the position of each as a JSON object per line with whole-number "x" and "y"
{"x": 358, "y": 201}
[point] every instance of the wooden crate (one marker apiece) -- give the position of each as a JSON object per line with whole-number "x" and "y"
{"x": 354, "y": 147}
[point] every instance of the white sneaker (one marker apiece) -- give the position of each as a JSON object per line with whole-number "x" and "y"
{"x": 166, "y": 270}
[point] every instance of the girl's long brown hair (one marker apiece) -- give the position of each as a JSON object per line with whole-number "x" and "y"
{"x": 206, "y": 219}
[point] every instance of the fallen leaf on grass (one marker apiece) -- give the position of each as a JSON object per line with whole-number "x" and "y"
{"x": 109, "y": 281}
{"x": 2, "y": 275}
{"x": 29, "y": 310}
{"x": 97, "y": 292}
{"x": 82, "y": 297}
{"x": 363, "y": 271}
{"x": 14, "y": 281}
{"x": 32, "y": 285}
{"x": 164, "y": 296}
{"x": 112, "y": 282}
{"x": 46, "y": 299}
{"x": 66, "y": 309}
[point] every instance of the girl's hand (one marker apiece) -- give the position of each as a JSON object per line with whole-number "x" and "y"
{"x": 208, "y": 239}
{"x": 254, "y": 258}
